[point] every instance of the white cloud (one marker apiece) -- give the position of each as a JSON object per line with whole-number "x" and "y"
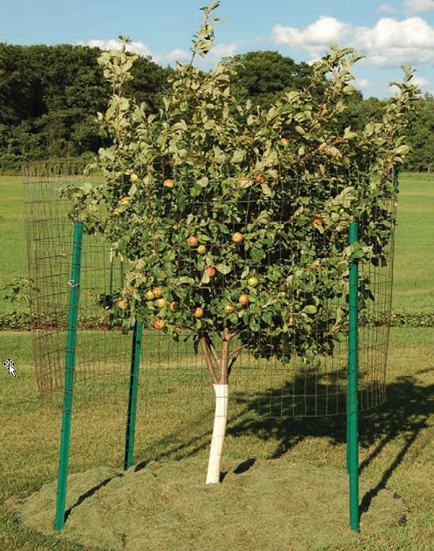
{"x": 419, "y": 5}
{"x": 362, "y": 83}
{"x": 178, "y": 55}
{"x": 325, "y": 31}
{"x": 385, "y": 8}
{"x": 388, "y": 43}
{"x": 112, "y": 44}
{"x": 419, "y": 81}
{"x": 182, "y": 56}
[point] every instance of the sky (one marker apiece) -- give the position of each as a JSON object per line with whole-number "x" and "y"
{"x": 389, "y": 34}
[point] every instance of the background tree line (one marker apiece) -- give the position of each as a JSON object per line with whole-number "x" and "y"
{"x": 50, "y": 95}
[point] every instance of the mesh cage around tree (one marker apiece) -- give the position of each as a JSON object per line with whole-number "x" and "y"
{"x": 172, "y": 376}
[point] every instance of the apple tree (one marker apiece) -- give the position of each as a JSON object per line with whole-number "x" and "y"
{"x": 241, "y": 229}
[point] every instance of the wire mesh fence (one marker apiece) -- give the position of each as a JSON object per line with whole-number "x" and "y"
{"x": 173, "y": 377}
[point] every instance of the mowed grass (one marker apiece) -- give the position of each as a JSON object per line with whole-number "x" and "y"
{"x": 397, "y": 444}
{"x": 396, "y": 451}
{"x": 413, "y": 290}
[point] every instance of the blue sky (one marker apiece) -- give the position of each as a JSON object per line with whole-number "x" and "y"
{"x": 390, "y": 34}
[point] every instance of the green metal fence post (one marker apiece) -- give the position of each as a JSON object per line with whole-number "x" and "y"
{"x": 353, "y": 368}
{"x": 69, "y": 376}
{"x": 132, "y": 400}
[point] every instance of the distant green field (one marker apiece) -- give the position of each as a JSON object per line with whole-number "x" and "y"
{"x": 414, "y": 265}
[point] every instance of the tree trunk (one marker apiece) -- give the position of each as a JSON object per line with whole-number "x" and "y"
{"x": 218, "y": 434}
{"x": 219, "y": 369}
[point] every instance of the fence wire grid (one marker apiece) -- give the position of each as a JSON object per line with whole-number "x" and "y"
{"x": 172, "y": 377}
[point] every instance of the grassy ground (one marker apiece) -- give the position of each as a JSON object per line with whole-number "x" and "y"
{"x": 397, "y": 446}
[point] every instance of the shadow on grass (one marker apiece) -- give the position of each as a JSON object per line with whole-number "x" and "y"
{"x": 404, "y": 414}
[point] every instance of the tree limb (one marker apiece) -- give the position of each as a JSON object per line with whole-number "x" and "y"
{"x": 208, "y": 360}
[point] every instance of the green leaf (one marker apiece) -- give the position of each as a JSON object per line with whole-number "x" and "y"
{"x": 223, "y": 269}
{"x": 238, "y": 156}
{"x": 266, "y": 316}
{"x": 266, "y": 190}
{"x": 203, "y": 181}
{"x": 402, "y": 150}
{"x": 209, "y": 124}
{"x": 180, "y": 125}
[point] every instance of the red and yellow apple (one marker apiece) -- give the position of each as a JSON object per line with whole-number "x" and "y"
{"x": 229, "y": 308}
{"x": 159, "y": 324}
{"x": 122, "y": 304}
{"x": 201, "y": 249}
{"x": 284, "y": 141}
{"x": 237, "y": 237}
{"x": 169, "y": 182}
{"x": 242, "y": 180}
{"x": 173, "y": 306}
{"x": 160, "y": 302}
{"x": 244, "y": 299}
{"x": 133, "y": 177}
{"x": 198, "y": 312}
{"x": 210, "y": 270}
{"x": 157, "y": 291}
{"x": 192, "y": 241}
{"x": 149, "y": 295}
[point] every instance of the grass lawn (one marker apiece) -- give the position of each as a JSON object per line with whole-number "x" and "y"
{"x": 396, "y": 451}
{"x": 173, "y": 434}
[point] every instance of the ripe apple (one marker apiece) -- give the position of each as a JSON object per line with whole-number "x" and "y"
{"x": 252, "y": 281}
{"x": 291, "y": 321}
{"x": 123, "y": 304}
{"x": 284, "y": 141}
{"x": 173, "y": 306}
{"x": 157, "y": 291}
{"x": 253, "y": 212}
{"x": 237, "y": 237}
{"x": 244, "y": 299}
{"x": 201, "y": 249}
{"x": 115, "y": 211}
{"x": 160, "y": 302}
{"x": 260, "y": 177}
{"x": 134, "y": 177}
{"x": 149, "y": 295}
{"x": 210, "y": 270}
{"x": 169, "y": 182}
{"x": 192, "y": 241}
{"x": 317, "y": 222}
{"x": 229, "y": 308}
{"x": 159, "y": 324}
{"x": 198, "y": 312}
{"x": 241, "y": 180}
{"x": 124, "y": 200}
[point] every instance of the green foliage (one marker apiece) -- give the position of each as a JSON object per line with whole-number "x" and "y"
{"x": 16, "y": 292}
{"x": 195, "y": 141}
{"x": 49, "y": 98}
